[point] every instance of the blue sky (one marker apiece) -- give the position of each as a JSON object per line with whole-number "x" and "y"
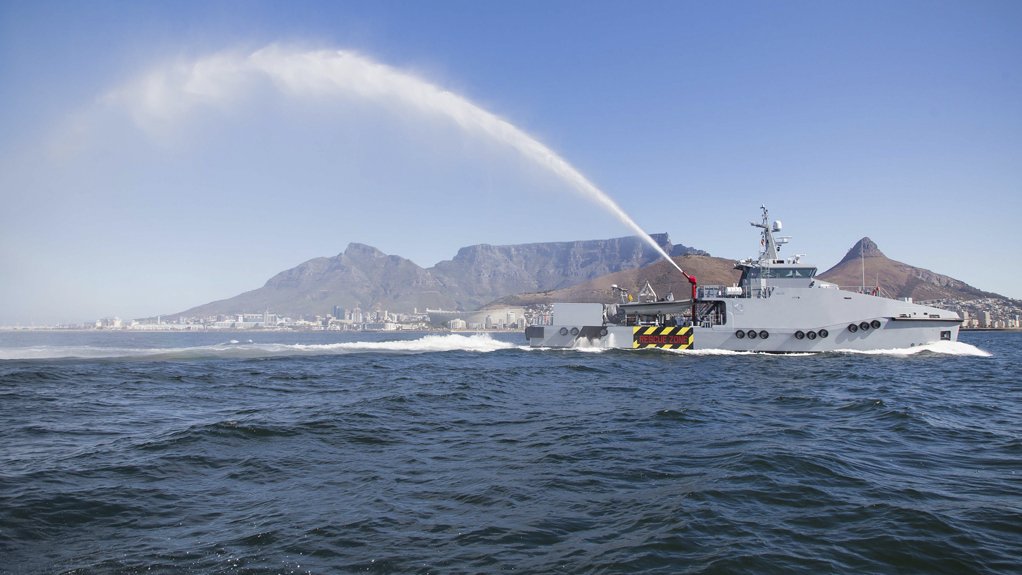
{"x": 156, "y": 156}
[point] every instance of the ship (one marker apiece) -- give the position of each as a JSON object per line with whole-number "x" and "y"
{"x": 777, "y": 306}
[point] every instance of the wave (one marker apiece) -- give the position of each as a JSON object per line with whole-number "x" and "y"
{"x": 940, "y": 347}
{"x": 482, "y": 343}
{"x": 479, "y": 343}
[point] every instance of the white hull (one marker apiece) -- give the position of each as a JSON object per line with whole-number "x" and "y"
{"x": 890, "y": 335}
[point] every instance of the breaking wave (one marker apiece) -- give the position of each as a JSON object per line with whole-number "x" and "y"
{"x": 940, "y": 347}
{"x": 477, "y": 343}
{"x": 480, "y": 343}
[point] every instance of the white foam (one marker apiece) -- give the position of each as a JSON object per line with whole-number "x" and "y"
{"x": 942, "y": 347}
{"x": 479, "y": 343}
{"x": 476, "y": 343}
{"x": 590, "y": 349}
{"x": 83, "y": 352}
{"x": 586, "y": 345}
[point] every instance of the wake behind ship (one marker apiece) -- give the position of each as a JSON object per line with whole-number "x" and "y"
{"x": 778, "y": 305}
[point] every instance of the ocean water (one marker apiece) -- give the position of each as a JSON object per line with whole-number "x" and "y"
{"x": 412, "y": 453}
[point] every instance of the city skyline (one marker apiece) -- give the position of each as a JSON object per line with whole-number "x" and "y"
{"x": 159, "y": 156}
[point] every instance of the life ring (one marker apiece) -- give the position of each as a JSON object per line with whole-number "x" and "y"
{"x": 811, "y": 335}
{"x": 853, "y": 328}
{"x": 800, "y": 334}
{"x": 763, "y": 334}
{"x": 740, "y": 334}
{"x": 752, "y": 334}
{"x": 864, "y": 325}
{"x": 563, "y": 331}
{"x": 875, "y": 324}
{"x": 824, "y": 333}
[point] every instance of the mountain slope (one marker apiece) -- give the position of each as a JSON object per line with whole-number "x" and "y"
{"x": 896, "y": 279}
{"x": 360, "y": 276}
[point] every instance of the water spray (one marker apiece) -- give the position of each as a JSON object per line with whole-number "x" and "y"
{"x": 222, "y": 78}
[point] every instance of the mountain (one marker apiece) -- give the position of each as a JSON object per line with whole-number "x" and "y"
{"x": 897, "y": 279}
{"x": 482, "y": 273}
{"x": 362, "y": 276}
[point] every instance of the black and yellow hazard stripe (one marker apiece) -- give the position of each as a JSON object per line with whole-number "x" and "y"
{"x": 662, "y": 337}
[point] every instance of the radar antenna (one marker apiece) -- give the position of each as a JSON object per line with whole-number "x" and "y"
{"x": 769, "y": 244}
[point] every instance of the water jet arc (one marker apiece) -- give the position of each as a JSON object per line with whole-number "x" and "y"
{"x": 222, "y": 78}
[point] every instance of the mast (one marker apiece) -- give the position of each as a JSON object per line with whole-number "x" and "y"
{"x": 769, "y": 245}
{"x": 862, "y": 262}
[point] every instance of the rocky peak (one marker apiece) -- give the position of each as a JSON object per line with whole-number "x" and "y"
{"x": 864, "y": 248}
{"x": 362, "y": 251}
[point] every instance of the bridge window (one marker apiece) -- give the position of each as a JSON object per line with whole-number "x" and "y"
{"x": 789, "y": 273}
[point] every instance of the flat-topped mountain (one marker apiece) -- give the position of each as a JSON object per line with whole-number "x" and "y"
{"x": 362, "y": 276}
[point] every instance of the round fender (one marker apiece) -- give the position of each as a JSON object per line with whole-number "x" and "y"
{"x": 603, "y": 332}
{"x": 740, "y": 334}
{"x": 752, "y": 334}
{"x": 800, "y": 334}
{"x": 824, "y": 333}
{"x": 574, "y": 331}
{"x": 875, "y": 324}
{"x": 763, "y": 334}
{"x": 811, "y": 335}
{"x": 853, "y": 328}
{"x": 563, "y": 331}
{"x": 864, "y": 325}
